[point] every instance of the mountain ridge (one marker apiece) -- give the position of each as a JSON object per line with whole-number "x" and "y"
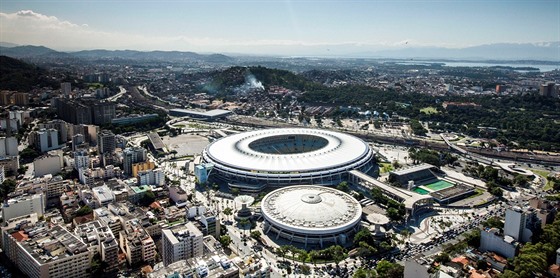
{"x": 543, "y": 51}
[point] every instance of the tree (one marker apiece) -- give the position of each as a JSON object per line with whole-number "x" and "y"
{"x": 394, "y": 214}
{"x": 493, "y": 222}
{"x": 343, "y": 186}
{"x": 406, "y": 233}
{"x": 442, "y": 258}
{"x": 234, "y": 191}
{"x": 473, "y": 238}
{"x": 7, "y": 187}
{"x": 364, "y": 273}
{"x": 390, "y": 270}
{"x": 85, "y": 210}
{"x": 29, "y": 154}
{"x": 256, "y": 235}
{"x": 417, "y": 128}
{"x": 225, "y": 240}
{"x": 228, "y": 211}
{"x": 148, "y": 198}
{"x": 363, "y": 235}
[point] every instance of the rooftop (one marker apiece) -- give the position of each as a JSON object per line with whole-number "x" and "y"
{"x": 287, "y": 150}
{"x": 315, "y": 209}
{"x": 47, "y": 244}
{"x": 409, "y": 197}
{"x": 412, "y": 169}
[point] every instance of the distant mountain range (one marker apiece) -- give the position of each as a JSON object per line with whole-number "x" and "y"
{"x": 29, "y": 51}
{"x": 548, "y": 52}
{"x": 502, "y": 51}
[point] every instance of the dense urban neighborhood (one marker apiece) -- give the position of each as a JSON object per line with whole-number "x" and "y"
{"x": 178, "y": 164}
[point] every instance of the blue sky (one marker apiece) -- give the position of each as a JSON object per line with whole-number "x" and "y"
{"x": 276, "y": 27}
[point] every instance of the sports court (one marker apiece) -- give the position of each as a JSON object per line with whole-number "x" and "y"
{"x": 438, "y": 185}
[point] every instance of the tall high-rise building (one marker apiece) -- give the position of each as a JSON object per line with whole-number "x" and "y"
{"x": 21, "y": 99}
{"x": 60, "y": 125}
{"x": 181, "y": 242}
{"x": 8, "y": 146}
{"x": 548, "y": 89}
{"x": 65, "y": 88}
{"x": 520, "y": 224}
{"x": 87, "y": 111}
{"x": 131, "y": 156}
{"x": 151, "y": 177}
{"x": 106, "y": 142}
{"x": 44, "y": 140}
{"x": 81, "y": 159}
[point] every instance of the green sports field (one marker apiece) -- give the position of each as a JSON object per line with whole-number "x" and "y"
{"x": 438, "y": 185}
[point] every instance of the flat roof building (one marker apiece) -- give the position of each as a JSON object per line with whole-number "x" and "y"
{"x": 47, "y": 252}
{"x": 181, "y": 242}
{"x": 204, "y": 115}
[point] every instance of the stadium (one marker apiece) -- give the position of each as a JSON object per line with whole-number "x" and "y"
{"x": 312, "y": 215}
{"x": 286, "y": 156}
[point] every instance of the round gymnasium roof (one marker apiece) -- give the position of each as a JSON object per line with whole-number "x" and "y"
{"x": 314, "y": 210}
{"x": 287, "y": 150}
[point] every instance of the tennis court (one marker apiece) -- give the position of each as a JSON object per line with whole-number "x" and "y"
{"x": 438, "y": 185}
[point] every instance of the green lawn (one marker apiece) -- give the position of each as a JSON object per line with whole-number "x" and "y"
{"x": 544, "y": 174}
{"x": 385, "y": 167}
{"x": 429, "y": 110}
{"x": 477, "y": 192}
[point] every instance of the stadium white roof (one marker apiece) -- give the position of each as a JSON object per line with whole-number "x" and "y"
{"x": 311, "y": 209}
{"x": 235, "y": 151}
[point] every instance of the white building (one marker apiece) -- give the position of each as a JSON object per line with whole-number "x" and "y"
{"x": 11, "y": 124}
{"x": 2, "y": 174}
{"x": 181, "y": 242}
{"x": 47, "y": 252}
{"x": 81, "y": 159}
{"x": 492, "y": 240}
{"x": 520, "y": 224}
{"x": 8, "y": 146}
{"x": 103, "y": 195}
{"x": 20, "y": 116}
{"x": 44, "y": 140}
{"x": 60, "y": 126}
{"x": 50, "y": 163}
{"x": 23, "y": 205}
{"x": 151, "y": 177}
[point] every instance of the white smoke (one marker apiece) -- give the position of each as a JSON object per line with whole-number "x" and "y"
{"x": 251, "y": 84}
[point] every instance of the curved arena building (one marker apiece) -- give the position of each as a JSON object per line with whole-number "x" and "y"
{"x": 312, "y": 215}
{"x": 287, "y": 156}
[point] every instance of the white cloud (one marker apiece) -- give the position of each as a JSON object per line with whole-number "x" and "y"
{"x": 29, "y": 27}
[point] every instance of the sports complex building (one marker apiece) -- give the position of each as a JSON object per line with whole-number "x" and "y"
{"x": 286, "y": 156}
{"x": 428, "y": 180}
{"x": 312, "y": 215}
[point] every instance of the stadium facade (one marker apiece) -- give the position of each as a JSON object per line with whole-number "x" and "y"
{"x": 287, "y": 156}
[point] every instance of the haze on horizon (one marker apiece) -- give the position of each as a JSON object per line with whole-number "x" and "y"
{"x": 276, "y": 27}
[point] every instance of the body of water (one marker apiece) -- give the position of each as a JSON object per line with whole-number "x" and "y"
{"x": 541, "y": 67}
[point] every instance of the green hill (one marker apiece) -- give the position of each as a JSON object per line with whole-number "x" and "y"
{"x": 19, "y": 76}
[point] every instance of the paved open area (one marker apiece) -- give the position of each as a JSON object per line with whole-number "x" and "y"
{"x": 186, "y": 144}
